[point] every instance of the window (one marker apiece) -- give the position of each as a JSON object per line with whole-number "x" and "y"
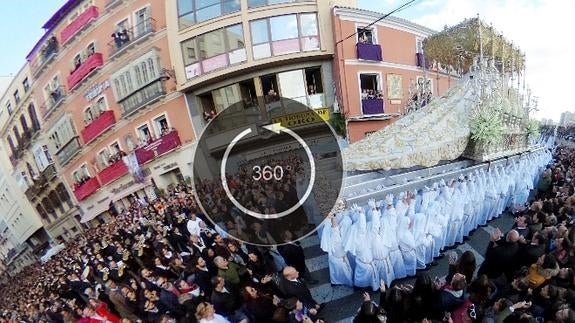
{"x": 47, "y": 153}
{"x": 26, "y": 85}
{"x": 261, "y": 3}
{"x": 191, "y": 12}
{"x": 88, "y": 115}
{"x": 33, "y": 117}
{"x": 63, "y": 132}
{"x": 90, "y": 49}
{"x": 101, "y": 105}
{"x": 103, "y": 159}
{"x": 141, "y": 18}
{"x": 284, "y": 27}
{"x": 228, "y": 40}
{"x": 234, "y": 37}
{"x": 17, "y": 96}
{"x": 313, "y": 80}
{"x": 9, "y": 108}
{"x": 138, "y": 74}
{"x": 189, "y": 51}
{"x": 365, "y": 35}
{"x": 42, "y": 213}
{"x": 370, "y": 86}
{"x": 161, "y": 125}
{"x": 42, "y": 157}
{"x": 259, "y": 31}
{"x": 77, "y": 61}
{"x": 144, "y": 134}
{"x": 270, "y": 88}
{"x": 81, "y": 175}
{"x": 130, "y": 142}
{"x": 212, "y": 44}
{"x": 11, "y": 144}
{"x": 17, "y": 135}
{"x": 286, "y": 34}
{"x": 24, "y": 123}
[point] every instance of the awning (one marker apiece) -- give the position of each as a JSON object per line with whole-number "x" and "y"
{"x": 103, "y": 207}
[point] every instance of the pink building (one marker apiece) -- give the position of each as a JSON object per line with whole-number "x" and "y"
{"x": 373, "y": 69}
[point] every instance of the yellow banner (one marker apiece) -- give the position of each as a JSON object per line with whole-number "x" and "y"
{"x": 303, "y": 118}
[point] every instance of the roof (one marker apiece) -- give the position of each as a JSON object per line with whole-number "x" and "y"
{"x": 52, "y": 22}
{"x": 377, "y": 15}
{"x": 60, "y": 13}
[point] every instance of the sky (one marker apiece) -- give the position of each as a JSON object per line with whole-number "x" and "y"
{"x": 21, "y": 24}
{"x": 540, "y": 28}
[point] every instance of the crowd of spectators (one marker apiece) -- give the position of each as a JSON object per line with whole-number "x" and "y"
{"x": 528, "y": 274}
{"x": 162, "y": 261}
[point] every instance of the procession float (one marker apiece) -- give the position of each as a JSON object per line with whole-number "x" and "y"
{"x": 483, "y": 117}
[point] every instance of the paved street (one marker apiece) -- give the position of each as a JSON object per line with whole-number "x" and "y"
{"x": 343, "y": 302}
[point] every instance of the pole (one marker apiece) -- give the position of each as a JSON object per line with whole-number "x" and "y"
{"x": 480, "y": 41}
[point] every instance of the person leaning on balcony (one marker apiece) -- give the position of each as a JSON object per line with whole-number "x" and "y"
{"x": 117, "y": 36}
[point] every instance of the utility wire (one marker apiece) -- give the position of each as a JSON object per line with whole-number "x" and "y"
{"x": 404, "y": 6}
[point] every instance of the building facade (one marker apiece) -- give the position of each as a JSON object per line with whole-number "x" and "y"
{"x": 21, "y": 227}
{"x": 375, "y": 65}
{"x": 114, "y": 128}
{"x": 251, "y": 52}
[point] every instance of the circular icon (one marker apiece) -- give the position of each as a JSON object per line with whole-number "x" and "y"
{"x": 267, "y": 171}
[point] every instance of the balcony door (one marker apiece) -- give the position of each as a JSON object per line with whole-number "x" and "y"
{"x": 141, "y": 19}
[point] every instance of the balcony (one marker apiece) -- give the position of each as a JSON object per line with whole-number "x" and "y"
{"x": 372, "y": 106}
{"x": 36, "y": 188}
{"x": 69, "y": 150}
{"x": 78, "y": 24}
{"x": 370, "y": 52}
{"x": 83, "y": 70}
{"x": 113, "y": 172}
{"x": 87, "y": 188}
{"x": 145, "y": 95}
{"x": 56, "y": 98}
{"x": 46, "y": 55}
{"x": 49, "y": 173}
{"x": 158, "y": 147}
{"x": 98, "y": 126}
{"x": 130, "y": 37}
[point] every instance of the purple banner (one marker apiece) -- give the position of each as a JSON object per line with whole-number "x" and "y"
{"x": 370, "y": 52}
{"x": 372, "y": 106}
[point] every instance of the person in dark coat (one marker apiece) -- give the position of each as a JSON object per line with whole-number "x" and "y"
{"x": 291, "y": 286}
{"x": 293, "y": 254}
{"x": 500, "y": 251}
{"x": 529, "y": 253}
{"x": 225, "y": 300}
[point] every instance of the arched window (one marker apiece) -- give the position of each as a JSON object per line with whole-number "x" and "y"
{"x": 56, "y": 200}
{"x": 48, "y": 206}
{"x": 62, "y": 192}
{"x": 42, "y": 212}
